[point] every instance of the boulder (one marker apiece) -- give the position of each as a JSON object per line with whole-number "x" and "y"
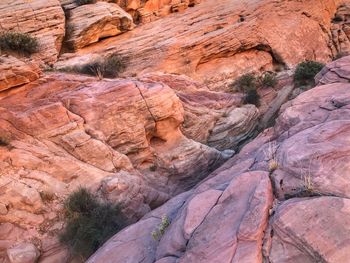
{"x": 23, "y": 253}
{"x": 88, "y": 24}
{"x": 14, "y": 72}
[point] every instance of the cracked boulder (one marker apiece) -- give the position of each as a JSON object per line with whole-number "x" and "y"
{"x": 44, "y": 20}
{"x": 88, "y": 24}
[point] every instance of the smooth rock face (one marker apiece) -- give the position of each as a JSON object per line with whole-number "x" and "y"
{"x": 240, "y": 207}
{"x": 249, "y": 36}
{"x": 88, "y": 24}
{"x": 323, "y": 239}
{"x": 14, "y": 72}
{"x": 43, "y": 19}
{"x": 231, "y": 216}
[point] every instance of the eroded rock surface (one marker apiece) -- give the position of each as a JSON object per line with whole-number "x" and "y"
{"x": 14, "y": 72}
{"x": 121, "y": 138}
{"x": 43, "y": 19}
{"x": 236, "y": 216}
{"x": 88, "y": 24}
{"x": 216, "y": 42}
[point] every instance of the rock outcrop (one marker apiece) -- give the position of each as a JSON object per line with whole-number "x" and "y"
{"x": 217, "y": 41}
{"x": 283, "y": 198}
{"x": 14, "y": 72}
{"x": 121, "y": 138}
{"x": 43, "y": 19}
{"x": 335, "y": 72}
{"x": 88, "y": 24}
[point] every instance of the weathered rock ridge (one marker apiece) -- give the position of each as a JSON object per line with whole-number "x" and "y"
{"x": 216, "y": 42}
{"x": 283, "y": 198}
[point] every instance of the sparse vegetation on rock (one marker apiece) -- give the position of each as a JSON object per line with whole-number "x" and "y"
{"x": 89, "y": 222}
{"x": 245, "y": 82}
{"x": 268, "y": 79}
{"x": 108, "y": 67}
{"x": 306, "y": 72}
{"x": 18, "y": 42}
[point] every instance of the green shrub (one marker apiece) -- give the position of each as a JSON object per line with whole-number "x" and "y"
{"x": 89, "y": 222}
{"x": 252, "y": 97}
{"x": 109, "y": 67}
{"x": 306, "y": 72}
{"x": 19, "y": 42}
{"x": 245, "y": 82}
{"x": 268, "y": 79}
{"x": 84, "y": 2}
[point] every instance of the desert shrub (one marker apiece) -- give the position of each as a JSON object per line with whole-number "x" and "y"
{"x": 84, "y": 2}
{"x": 306, "y": 72}
{"x": 89, "y": 222}
{"x": 245, "y": 82}
{"x": 19, "y": 42}
{"x": 337, "y": 18}
{"x": 252, "y": 97}
{"x": 268, "y": 79}
{"x": 109, "y": 67}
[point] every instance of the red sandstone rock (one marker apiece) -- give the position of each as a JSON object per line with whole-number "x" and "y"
{"x": 14, "y": 72}
{"x": 224, "y": 218}
{"x": 216, "y": 42}
{"x": 88, "y": 24}
{"x": 43, "y": 19}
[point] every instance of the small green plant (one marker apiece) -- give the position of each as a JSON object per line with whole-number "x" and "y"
{"x": 268, "y": 80}
{"x": 245, "y": 82}
{"x": 18, "y": 42}
{"x": 306, "y": 72}
{"x": 252, "y": 97}
{"x": 159, "y": 232}
{"x": 89, "y": 222}
{"x": 84, "y": 2}
{"x": 109, "y": 67}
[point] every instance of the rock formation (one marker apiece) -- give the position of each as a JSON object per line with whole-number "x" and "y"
{"x": 216, "y": 44}
{"x": 283, "y": 198}
{"x": 43, "y": 19}
{"x": 153, "y": 141}
{"x": 88, "y": 24}
{"x": 62, "y": 136}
